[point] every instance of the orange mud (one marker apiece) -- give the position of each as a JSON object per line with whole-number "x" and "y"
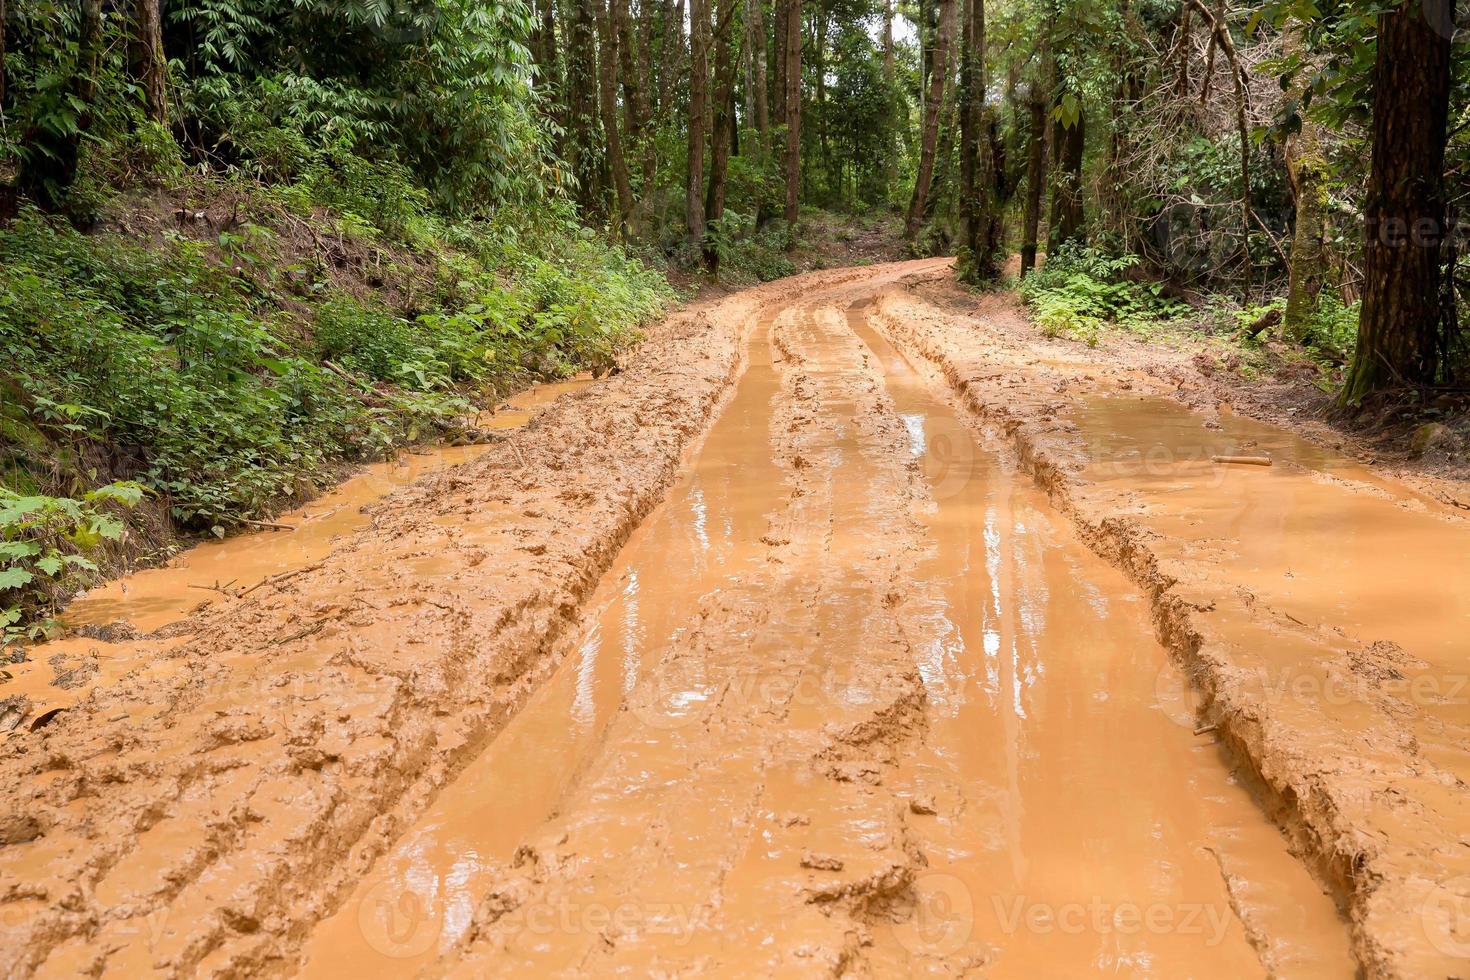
{"x": 1319, "y": 608}
{"x": 149, "y": 600}
{"x": 825, "y": 638}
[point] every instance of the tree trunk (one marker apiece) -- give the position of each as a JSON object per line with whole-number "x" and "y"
{"x": 1404, "y": 210}
{"x": 1040, "y": 125}
{"x": 1306, "y": 169}
{"x": 778, "y": 75}
{"x": 724, "y": 111}
{"x": 1066, "y": 195}
{"x": 2, "y": 55}
{"x": 582, "y": 142}
{"x": 932, "y": 104}
{"x": 546, "y": 63}
{"x": 698, "y": 87}
{"x": 890, "y": 65}
{"x": 760, "y": 104}
{"x": 635, "y": 100}
{"x": 146, "y": 60}
{"x": 792, "y": 58}
{"x": 607, "y": 85}
{"x": 977, "y": 184}
{"x": 673, "y": 50}
{"x": 47, "y": 176}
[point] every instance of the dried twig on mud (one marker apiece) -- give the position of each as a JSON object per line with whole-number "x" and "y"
{"x": 277, "y": 579}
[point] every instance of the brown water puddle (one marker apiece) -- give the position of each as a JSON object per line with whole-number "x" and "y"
{"x": 708, "y": 753}
{"x": 153, "y": 598}
{"x": 1334, "y": 548}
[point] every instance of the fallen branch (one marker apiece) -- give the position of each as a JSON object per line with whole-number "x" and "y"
{"x": 300, "y": 634}
{"x": 268, "y": 525}
{"x": 1244, "y": 460}
{"x": 277, "y": 579}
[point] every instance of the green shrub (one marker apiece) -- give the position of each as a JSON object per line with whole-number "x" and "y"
{"x": 1081, "y": 289}
{"x": 44, "y": 543}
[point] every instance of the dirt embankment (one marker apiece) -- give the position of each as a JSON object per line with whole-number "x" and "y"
{"x": 203, "y": 812}
{"x": 1318, "y": 607}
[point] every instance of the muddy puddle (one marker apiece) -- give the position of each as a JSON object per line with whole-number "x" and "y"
{"x": 1339, "y": 551}
{"x": 852, "y": 692}
{"x": 148, "y": 600}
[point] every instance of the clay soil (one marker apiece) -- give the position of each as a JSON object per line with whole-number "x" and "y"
{"x": 852, "y": 628}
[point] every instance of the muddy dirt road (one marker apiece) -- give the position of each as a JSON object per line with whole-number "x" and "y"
{"x": 840, "y": 633}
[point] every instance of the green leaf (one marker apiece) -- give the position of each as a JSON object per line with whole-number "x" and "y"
{"x": 14, "y": 578}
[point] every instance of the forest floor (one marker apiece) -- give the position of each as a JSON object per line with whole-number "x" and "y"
{"x": 852, "y": 627}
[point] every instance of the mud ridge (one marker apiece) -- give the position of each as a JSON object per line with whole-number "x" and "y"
{"x": 1313, "y": 775}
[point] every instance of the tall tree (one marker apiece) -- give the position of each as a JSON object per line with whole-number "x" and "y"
{"x": 756, "y": 39}
{"x": 977, "y": 175}
{"x": 635, "y": 92}
{"x": 933, "y": 102}
{"x": 1404, "y": 213}
{"x": 793, "y": 118}
{"x": 1038, "y": 132}
{"x": 1306, "y": 169}
{"x": 724, "y": 112}
{"x": 146, "y": 60}
{"x": 1068, "y": 148}
{"x": 672, "y": 54}
{"x": 697, "y": 126}
{"x": 580, "y": 145}
{"x": 607, "y": 83}
{"x": 2, "y": 53}
{"x": 545, "y": 62}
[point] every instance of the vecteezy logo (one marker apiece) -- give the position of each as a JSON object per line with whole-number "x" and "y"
{"x": 943, "y": 916}
{"x": 397, "y": 920}
{"x": 946, "y": 451}
{"x": 1445, "y": 917}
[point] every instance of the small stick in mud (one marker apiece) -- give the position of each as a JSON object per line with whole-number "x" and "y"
{"x": 268, "y": 525}
{"x": 1244, "y": 460}
{"x": 281, "y": 577}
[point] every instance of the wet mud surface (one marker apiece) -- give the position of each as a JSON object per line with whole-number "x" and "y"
{"x": 837, "y": 634}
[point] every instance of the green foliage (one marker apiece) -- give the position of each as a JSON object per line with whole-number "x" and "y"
{"x": 44, "y": 543}
{"x": 1081, "y": 289}
{"x": 176, "y": 361}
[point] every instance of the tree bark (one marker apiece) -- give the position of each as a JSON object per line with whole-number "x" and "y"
{"x": 698, "y": 96}
{"x": 607, "y": 84}
{"x": 724, "y": 111}
{"x": 977, "y": 183}
{"x": 1404, "y": 210}
{"x": 793, "y": 118}
{"x": 2, "y": 54}
{"x": 1040, "y": 125}
{"x": 546, "y": 63}
{"x": 890, "y": 65}
{"x": 778, "y": 48}
{"x": 1066, "y": 195}
{"x": 760, "y": 104}
{"x": 580, "y": 150}
{"x": 635, "y": 100}
{"x": 146, "y": 60}
{"x": 929, "y": 141}
{"x": 1306, "y": 169}
{"x": 672, "y": 52}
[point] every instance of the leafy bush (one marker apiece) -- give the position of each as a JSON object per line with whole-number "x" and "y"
{"x": 44, "y": 542}
{"x": 1080, "y": 289}
{"x": 180, "y": 366}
